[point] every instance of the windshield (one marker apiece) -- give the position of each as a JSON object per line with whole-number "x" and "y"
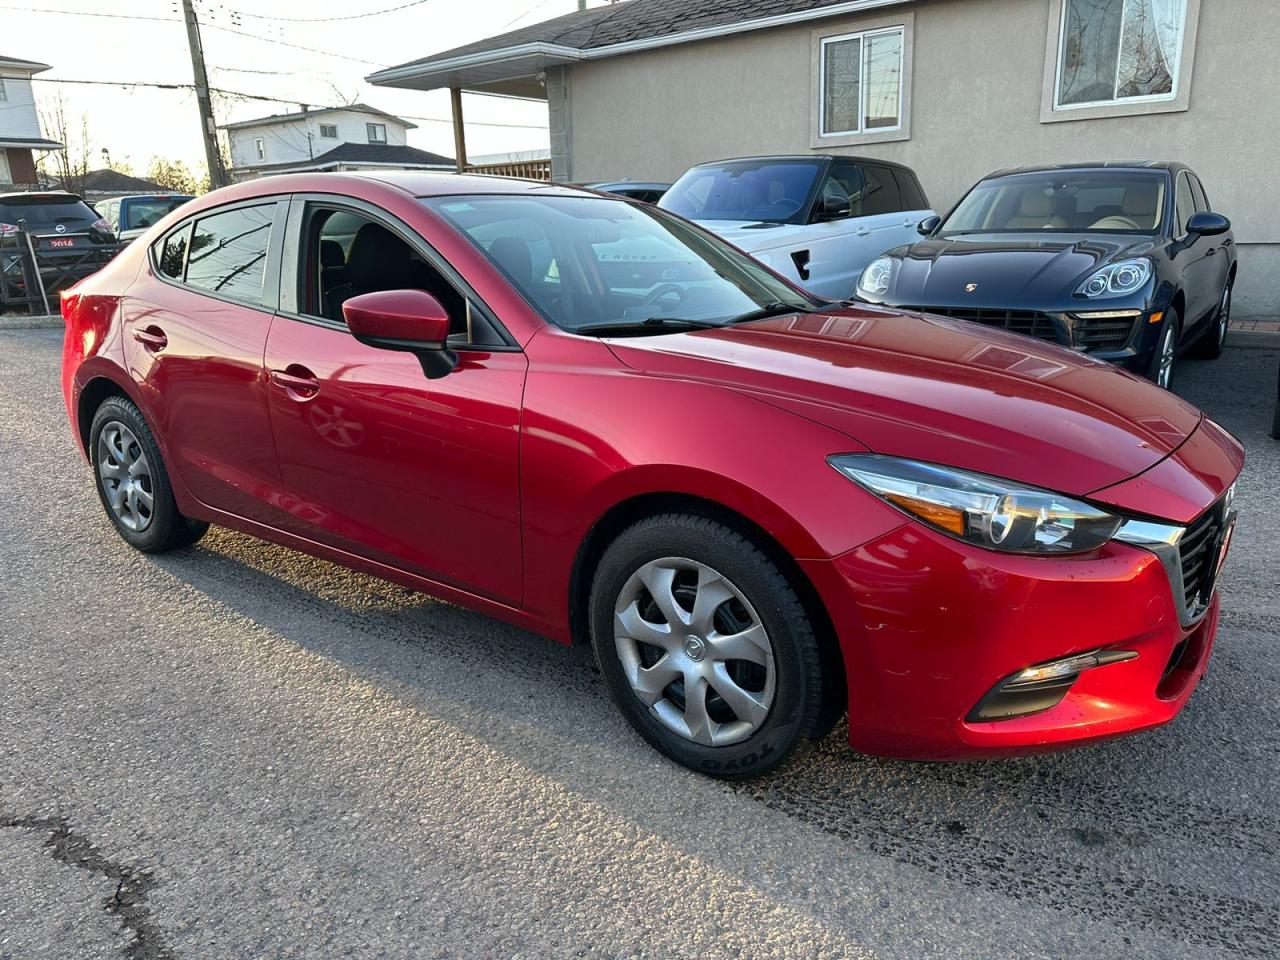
{"x": 588, "y": 262}
{"x": 145, "y": 213}
{"x": 1071, "y": 201}
{"x": 43, "y": 214}
{"x": 770, "y": 191}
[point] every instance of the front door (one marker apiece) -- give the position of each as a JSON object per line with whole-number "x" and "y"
{"x": 195, "y": 328}
{"x": 376, "y": 459}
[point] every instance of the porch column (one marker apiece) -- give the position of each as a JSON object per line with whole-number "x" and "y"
{"x": 559, "y": 124}
{"x": 459, "y": 135}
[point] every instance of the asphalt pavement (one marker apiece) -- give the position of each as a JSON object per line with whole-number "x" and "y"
{"x": 237, "y": 751}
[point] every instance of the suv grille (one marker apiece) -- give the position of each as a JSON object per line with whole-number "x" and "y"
{"x": 1029, "y": 322}
{"x": 1198, "y": 551}
{"x": 1103, "y": 333}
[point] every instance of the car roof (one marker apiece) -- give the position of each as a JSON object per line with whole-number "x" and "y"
{"x": 422, "y": 183}
{"x": 158, "y": 195}
{"x": 1168, "y": 165}
{"x": 806, "y": 156}
{"x": 627, "y": 185}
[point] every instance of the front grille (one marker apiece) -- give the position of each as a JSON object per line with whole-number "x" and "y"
{"x": 1198, "y": 551}
{"x": 1029, "y": 322}
{"x": 1103, "y": 333}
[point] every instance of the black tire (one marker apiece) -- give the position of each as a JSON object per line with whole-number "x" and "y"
{"x": 165, "y": 528}
{"x": 1170, "y": 327}
{"x": 795, "y": 713}
{"x": 1214, "y": 339}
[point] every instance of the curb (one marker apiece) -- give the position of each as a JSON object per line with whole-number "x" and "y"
{"x": 15, "y": 322}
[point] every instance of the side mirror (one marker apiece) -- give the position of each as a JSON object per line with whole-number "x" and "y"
{"x": 1207, "y": 224}
{"x": 409, "y": 320}
{"x": 929, "y": 224}
{"x": 834, "y": 208}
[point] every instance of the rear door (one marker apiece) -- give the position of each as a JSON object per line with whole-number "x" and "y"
{"x": 890, "y": 208}
{"x": 377, "y": 460}
{"x": 195, "y": 329}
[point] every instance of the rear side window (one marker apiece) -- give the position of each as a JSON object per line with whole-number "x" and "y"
{"x": 171, "y": 252}
{"x": 882, "y": 195}
{"x": 913, "y": 197}
{"x": 228, "y": 254}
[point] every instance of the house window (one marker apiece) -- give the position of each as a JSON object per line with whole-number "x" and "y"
{"x": 329, "y": 131}
{"x": 861, "y": 82}
{"x": 260, "y": 146}
{"x": 377, "y": 132}
{"x": 4, "y": 95}
{"x": 1117, "y": 51}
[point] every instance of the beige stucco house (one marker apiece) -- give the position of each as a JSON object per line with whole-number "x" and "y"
{"x": 953, "y": 88}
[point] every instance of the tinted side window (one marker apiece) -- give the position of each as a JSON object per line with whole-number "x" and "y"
{"x": 845, "y": 180}
{"x": 882, "y": 194}
{"x": 170, "y": 252}
{"x": 1186, "y": 205}
{"x": 1202, "y": 202}
{"x": 229, "y": 252}
{"x": 912, "y": 195}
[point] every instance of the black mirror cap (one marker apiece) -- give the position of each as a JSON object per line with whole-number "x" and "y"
{"x": 929, "y": 224}
{"x": 1208, "y": 224}
{"x": 834, "y": 208}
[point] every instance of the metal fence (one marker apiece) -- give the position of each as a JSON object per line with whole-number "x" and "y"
{"x": 31, "y": 277}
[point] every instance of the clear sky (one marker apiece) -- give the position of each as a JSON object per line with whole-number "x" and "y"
{"x": 244, "y": 41}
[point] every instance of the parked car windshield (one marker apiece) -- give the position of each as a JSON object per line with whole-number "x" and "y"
{"x": 591, "y": 261}
{"x": 768, "y": 191}
{"x": 142, "y": 213}
{"x": 43, "y": 213}
{"x": 1065, "y": 201}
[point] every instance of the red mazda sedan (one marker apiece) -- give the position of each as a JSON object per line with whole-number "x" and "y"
{"x": 592, "y": 419}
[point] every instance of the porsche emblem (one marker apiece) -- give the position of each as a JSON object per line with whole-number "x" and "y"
{"x": 970, "y": 287}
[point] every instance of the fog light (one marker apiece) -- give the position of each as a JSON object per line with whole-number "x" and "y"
{"x": 1040, "y": 687}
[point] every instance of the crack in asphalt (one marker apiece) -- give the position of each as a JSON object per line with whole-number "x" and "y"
{"x": 128, "y": 903}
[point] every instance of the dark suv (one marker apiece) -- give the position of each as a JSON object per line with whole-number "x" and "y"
{"x": 63, "y": 230}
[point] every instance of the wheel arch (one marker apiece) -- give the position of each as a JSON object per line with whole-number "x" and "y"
{"x": 91, "y": 396}
{"x": 631, "y": 510}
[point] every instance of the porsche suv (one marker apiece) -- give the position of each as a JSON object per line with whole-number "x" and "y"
{"x": 1124, "y": 261}
{"x": 588, "y": 417}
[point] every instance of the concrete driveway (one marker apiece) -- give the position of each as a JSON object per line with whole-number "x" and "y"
{"x": 238, "y": 751}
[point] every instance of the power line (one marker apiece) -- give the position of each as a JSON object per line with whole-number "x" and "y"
{"x": 351, "y": 16}
{"x": 295, "y": 46}
{"x": 79, "y": 13}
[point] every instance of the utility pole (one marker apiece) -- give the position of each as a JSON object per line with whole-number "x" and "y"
{"x": 217, "y": 177}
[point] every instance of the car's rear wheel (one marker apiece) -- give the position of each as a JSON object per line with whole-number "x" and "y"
{"x": 1166, "y": 353}
{"x": 133, "y": 483}
{"x": 1212, "y": 342}
{"x": 705, "y": 646}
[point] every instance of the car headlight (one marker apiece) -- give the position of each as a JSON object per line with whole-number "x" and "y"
{"x": 874, "y": 281}
{"x": 992, "y": 513}
{"x": 1117, "y": 279}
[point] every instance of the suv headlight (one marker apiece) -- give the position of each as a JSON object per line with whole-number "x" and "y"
{"x": 992, "y": 513}
{"x": 1116, "y": 279}
{"x": 875, "y": 279}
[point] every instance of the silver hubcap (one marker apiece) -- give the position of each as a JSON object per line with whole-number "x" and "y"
{"x": 125, "y": 475}
{"x": 694, "y": 651}
{"x": 1168, "y": 347}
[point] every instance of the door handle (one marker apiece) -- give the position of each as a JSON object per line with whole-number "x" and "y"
{"x": 153, "y": 338}
{"x": 862, "y": 232}
{"x": 1211, "y": 251}
{"x": 297, "y": 381}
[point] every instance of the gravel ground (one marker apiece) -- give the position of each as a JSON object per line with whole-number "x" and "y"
{"x": 238, "y": 751}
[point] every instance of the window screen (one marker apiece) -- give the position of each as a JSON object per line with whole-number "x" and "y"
{"x": 229, "y": 252}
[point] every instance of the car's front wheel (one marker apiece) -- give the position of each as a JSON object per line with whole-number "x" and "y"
{"x": 133, "y": 483}
{"x": 705, "y": 646}
{"x": 1166, "y": 352}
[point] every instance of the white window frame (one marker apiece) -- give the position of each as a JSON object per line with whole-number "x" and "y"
{"x": 900, "y": 22}
{"x": 862, "y": 37}
{"x": 372, "y": 128}
{"x": 260, "y": 147}
{"x": 6, "y": 176}
{"x": 4, "y": 94}
{"x": 333, "y": 131}
{"x": 1052, "y": 110}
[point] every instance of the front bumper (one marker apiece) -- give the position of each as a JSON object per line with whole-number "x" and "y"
{"x": 929, "y": 625}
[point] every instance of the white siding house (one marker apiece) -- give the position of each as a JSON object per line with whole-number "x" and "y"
{"x": 20, "y": 132}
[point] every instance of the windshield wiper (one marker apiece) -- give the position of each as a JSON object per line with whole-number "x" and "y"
{"x": 647, "y": 325}
{"x": 774, "y": 309}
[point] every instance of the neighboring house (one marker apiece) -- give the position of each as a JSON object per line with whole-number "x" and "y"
{"x": 330, "y": 138}
{"x": 953, "y": 88}
{"x": 97, "y": 184}
{"x": 20, "y": 133}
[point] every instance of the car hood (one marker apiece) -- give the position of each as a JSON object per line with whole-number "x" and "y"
{"x": 1005, "y": 269}
{"x": 940, "y": 390}
{"x": 755, "y": 235}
